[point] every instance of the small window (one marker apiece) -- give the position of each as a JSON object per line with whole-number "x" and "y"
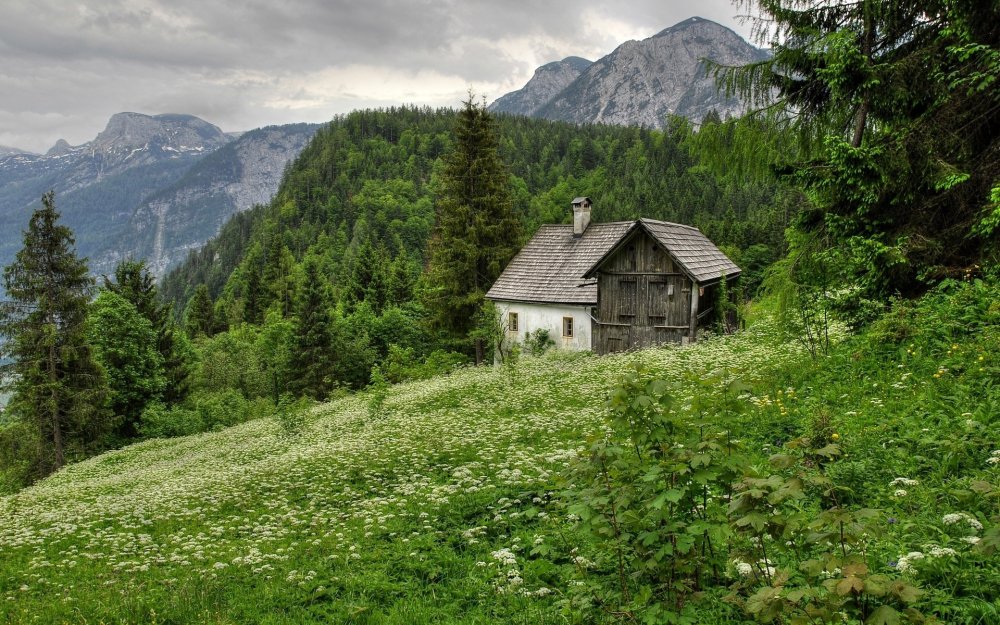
{"x": 568, "y": 327}
{"x": 512, "y": 321}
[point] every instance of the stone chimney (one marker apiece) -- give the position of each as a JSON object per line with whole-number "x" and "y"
{"x": 581, "y": 215}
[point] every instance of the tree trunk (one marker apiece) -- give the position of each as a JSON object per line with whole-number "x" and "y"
{"x": 480, "y": 352}
{"x": 57, "y": 442}
{"x": 862, "y": 118}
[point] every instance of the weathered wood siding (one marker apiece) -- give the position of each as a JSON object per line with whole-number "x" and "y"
{"x": 642, "y": 298}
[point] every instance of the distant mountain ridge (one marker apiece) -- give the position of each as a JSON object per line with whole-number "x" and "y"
{"x": 182, "y": 216}
{"x": 547, "y": 82}
{"x": 6, "y": 150}
{"x": 641, "y": 83}
{"x": 102, "y": 186}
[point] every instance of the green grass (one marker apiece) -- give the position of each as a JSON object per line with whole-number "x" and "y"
{"x": 445, "y": 509}
{"x": 353, "y": 520}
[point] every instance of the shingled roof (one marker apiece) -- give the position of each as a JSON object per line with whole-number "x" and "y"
{"x": 698, "y": 257}
{"x": 555, "y": 267}
{"x": 550, "y": 267}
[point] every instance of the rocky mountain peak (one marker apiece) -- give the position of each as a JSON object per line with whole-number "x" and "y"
{"x": 60, "y": 148}
{"x": 6, "y": 150}
{"x": 547, "y": 82}
{"x": 642, "y": 83}
{"x": 135, "y": 131}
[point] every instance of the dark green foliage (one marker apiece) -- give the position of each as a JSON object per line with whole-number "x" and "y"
{"x": 361, "y": 198}
{"x": 538, "y": 342}
{"x": 59, "y": 390}
{"x": 315, "y": 358}
{"x": 199, "y": 316}
{"x": 897, "y": 103}
{"x": 137, "y": 285}
{"x": 234, "y": 361}
{"x": 125, "y": 345}
{"x": 477, "y": 232}
{"x": 652, "y": 494}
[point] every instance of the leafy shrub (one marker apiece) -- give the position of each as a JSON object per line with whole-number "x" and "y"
{"x": 403, "y": 365}
{"x": 20, "y": 455}
{"x": 651, "y": 498}
{"x": 159, "y": 421}
{"x": 203, "y": 412}
{"x": 291, "y": 414}
{"x": 538, "y": 342}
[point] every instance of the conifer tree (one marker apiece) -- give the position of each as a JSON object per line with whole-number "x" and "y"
{"x": 199, "y": 317}
{"x": 477, "y": 232}
{"x": 59, "y": 390}
{"x": 314, "y": 357}
{"x": 898, "y": 104}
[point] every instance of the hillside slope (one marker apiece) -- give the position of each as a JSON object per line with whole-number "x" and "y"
{"x": 386, "y": 516}
{"x": 875, "y": 466}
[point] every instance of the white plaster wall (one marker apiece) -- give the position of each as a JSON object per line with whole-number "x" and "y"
{"x": 531, "y": 317}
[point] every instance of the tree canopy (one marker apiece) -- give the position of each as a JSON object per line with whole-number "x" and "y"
{"x": 59, "y": 390}
{"x": 897, "y": 106}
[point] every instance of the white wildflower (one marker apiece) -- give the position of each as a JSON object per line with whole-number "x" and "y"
{"x": 958, "y": 517}
{"x": 905, "y": 563}
{"x": 903, "y": 481}
{"x": 940, "y": 552}
{"x": 745, "y": 569}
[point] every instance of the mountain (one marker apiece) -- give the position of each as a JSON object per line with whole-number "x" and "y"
{"x": 185, "y": 214}
{"x": 643, "y": 82}
{"x": 103, "y": 186}
{"x": 6, "y": 150}
{"x": 549, "y": 80}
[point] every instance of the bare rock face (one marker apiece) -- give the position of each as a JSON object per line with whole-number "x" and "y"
{"x": 132, "y": 139}
{"x": 181, "y": 217}
{"x": 641, "y": 83}
{"x": 148, "y": 186}
{"x": 549, "y": 80}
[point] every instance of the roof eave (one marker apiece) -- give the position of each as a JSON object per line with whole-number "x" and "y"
{"x": 513, "y": 300}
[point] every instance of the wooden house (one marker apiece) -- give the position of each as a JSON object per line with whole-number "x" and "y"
{"x": 613, "y": 286}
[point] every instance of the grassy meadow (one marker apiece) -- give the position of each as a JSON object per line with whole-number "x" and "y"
{"x": 443, "y": 500}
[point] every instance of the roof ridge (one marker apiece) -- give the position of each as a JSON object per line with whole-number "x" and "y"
{"x": 668, "y": 223}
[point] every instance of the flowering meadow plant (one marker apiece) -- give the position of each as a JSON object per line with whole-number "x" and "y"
{"x": 766, "y": 487}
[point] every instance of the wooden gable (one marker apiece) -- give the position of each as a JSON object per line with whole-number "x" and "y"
{"x": 643, "y": 296}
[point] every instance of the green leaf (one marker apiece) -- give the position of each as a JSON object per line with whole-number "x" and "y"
{"x": 795, "y": 595}
{"x": 830, "y": 451}
{"x": 781, "y": 461}
{"x": 849, "y": 584}
{"x": 673, "y": 496}
{"x": 755, "y": 519}
{"x": 700, "y": 460}
{"x": 762, "y": 600}
{"x": 905, "y": 592}
{"x": 884, "y": 615}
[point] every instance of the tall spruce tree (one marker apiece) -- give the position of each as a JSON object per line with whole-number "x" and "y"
{"x": 58, "y": 388}
{"x": 898, "y": 103}
{"x": 135, "y": 283}
{"x": 477, "y": 232}
{"x": 199, "y": 316}
{"x": 314, "y": 360}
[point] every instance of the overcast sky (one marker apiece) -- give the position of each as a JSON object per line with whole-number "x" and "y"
{"x": 241, "y": 64}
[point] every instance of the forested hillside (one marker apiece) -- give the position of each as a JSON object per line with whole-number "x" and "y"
{"x": 361, "y": 196}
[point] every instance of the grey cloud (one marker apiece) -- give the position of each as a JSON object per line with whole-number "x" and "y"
{"x": 69, "y": 66}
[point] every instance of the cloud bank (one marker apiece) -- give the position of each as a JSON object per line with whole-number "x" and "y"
{"x": 241, "y": 64}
